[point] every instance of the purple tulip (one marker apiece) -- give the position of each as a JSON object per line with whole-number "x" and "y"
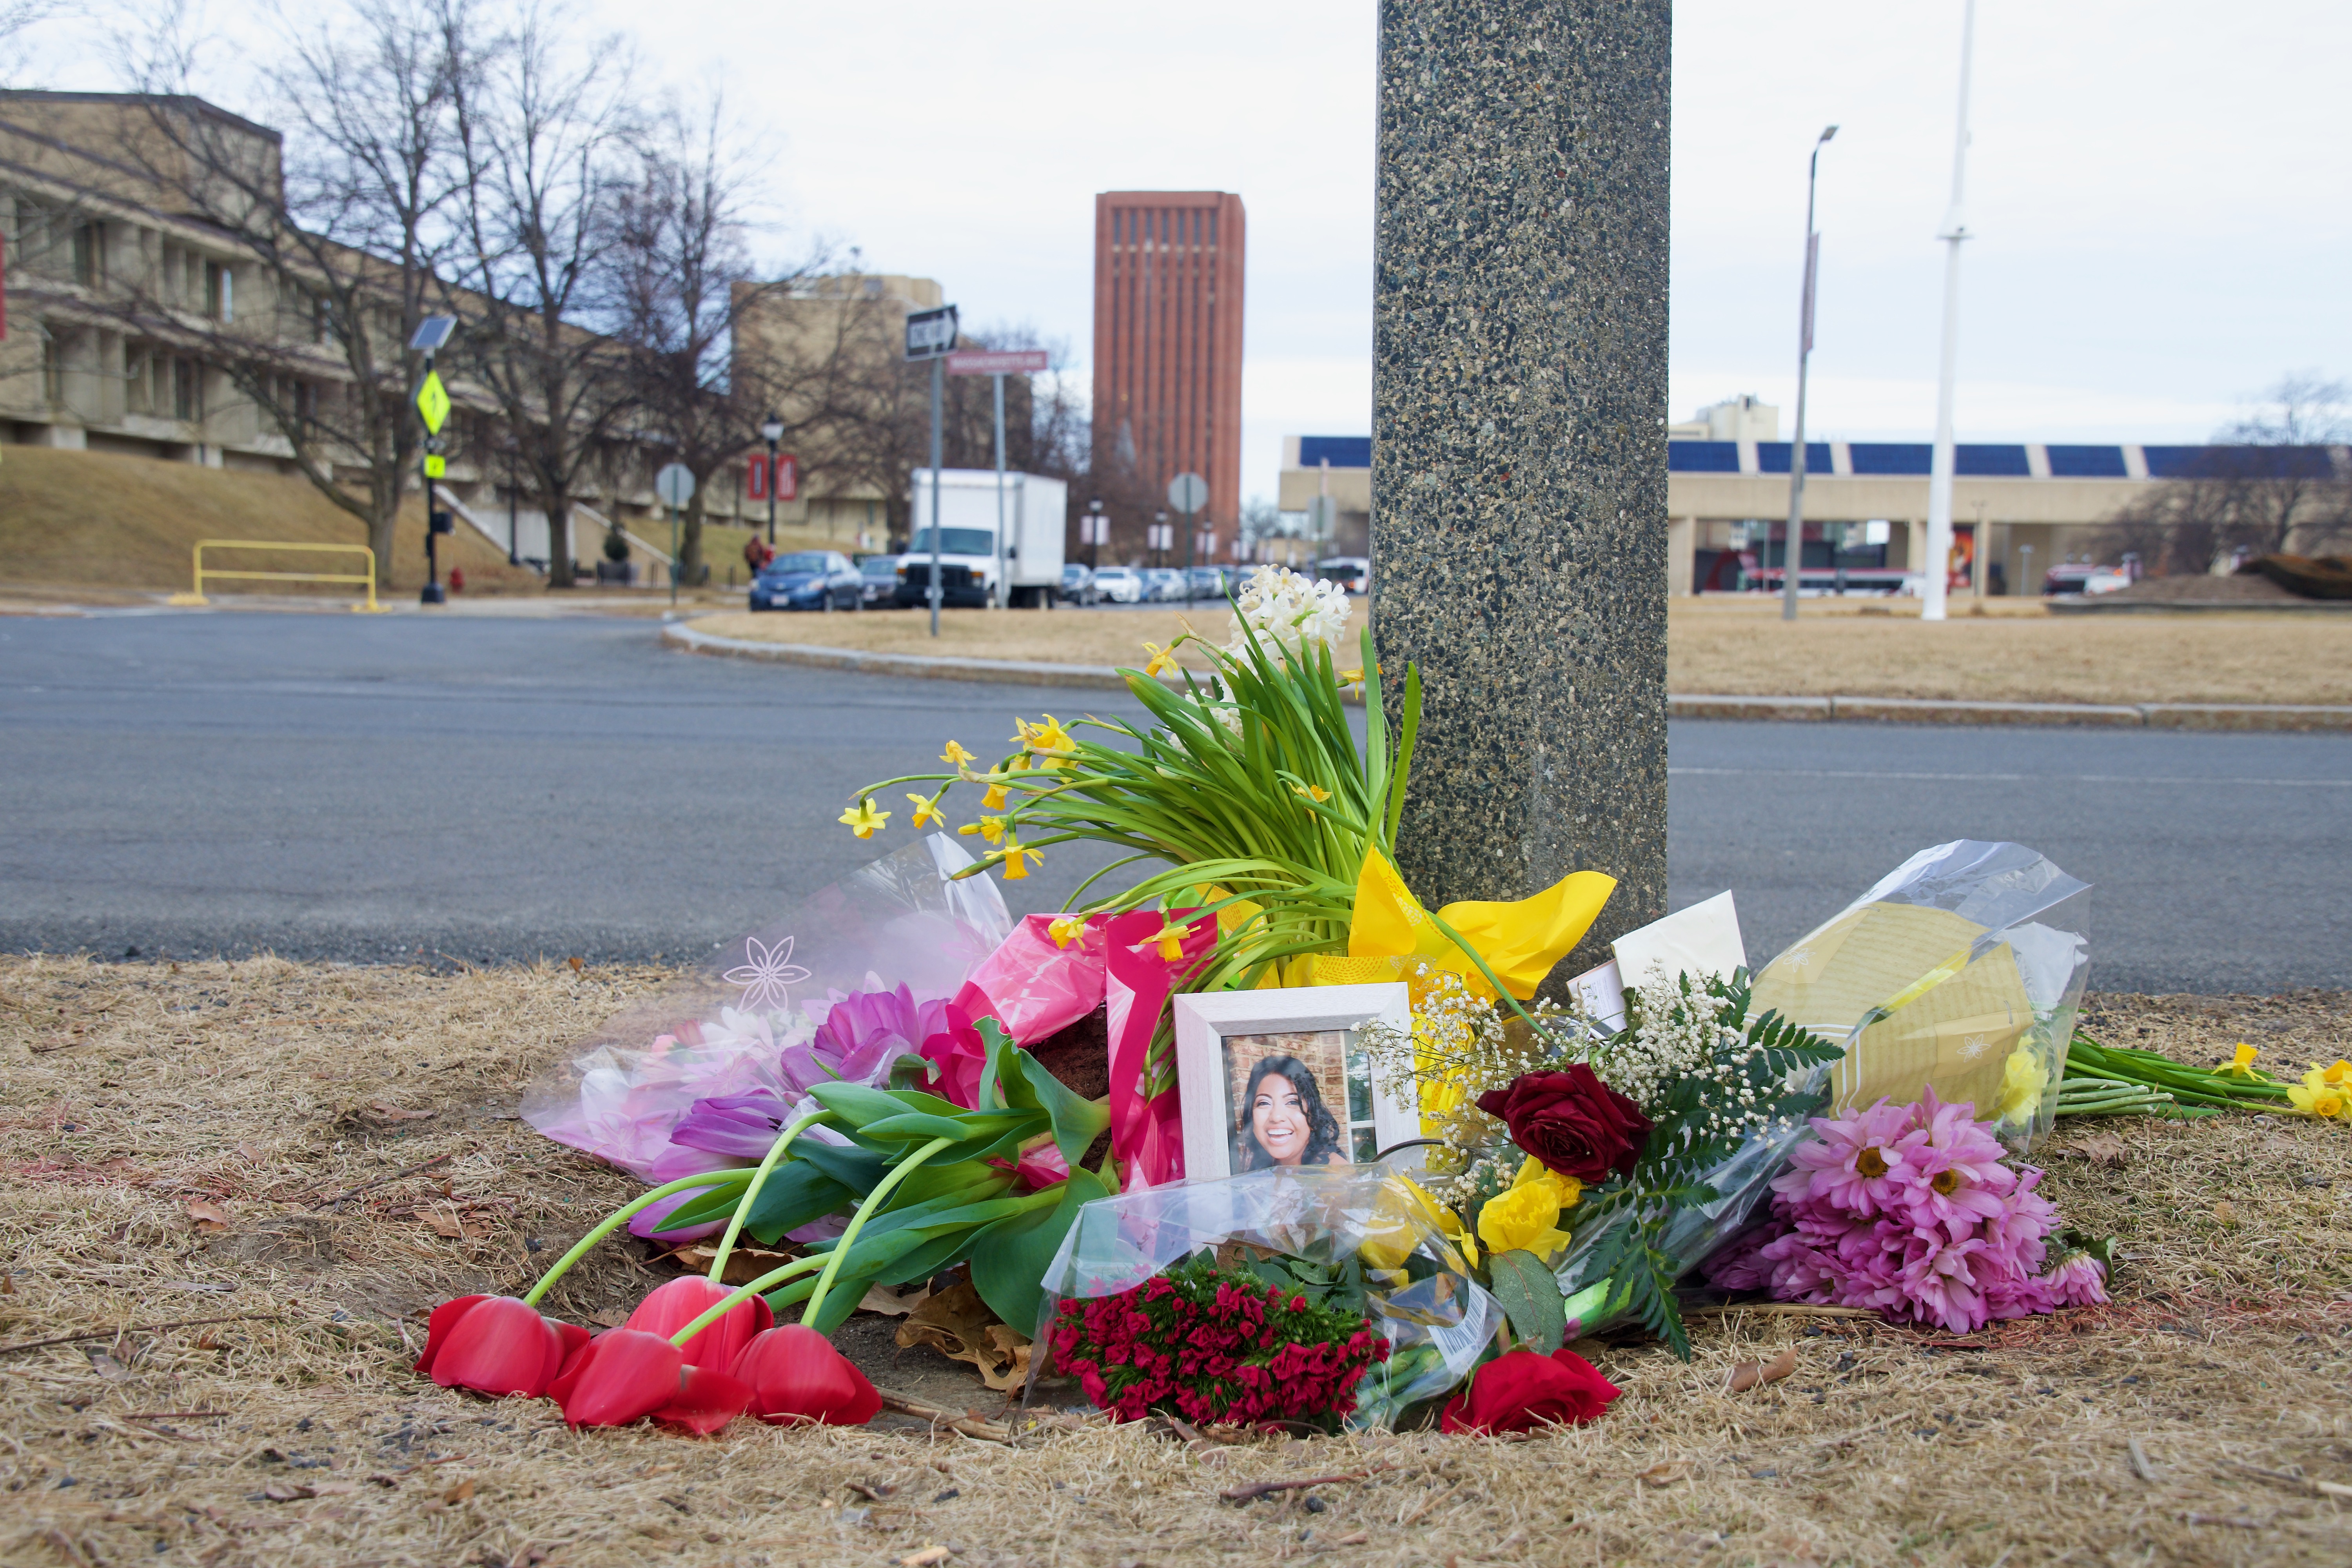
{"x": 862, "y": 1034}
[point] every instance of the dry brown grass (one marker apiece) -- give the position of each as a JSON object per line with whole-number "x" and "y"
{"x": 2019, "y": 654}
{"x": 127, "y": 1091}
{"x": 1108, "y": 638}
{"x": 2029, "y": 657}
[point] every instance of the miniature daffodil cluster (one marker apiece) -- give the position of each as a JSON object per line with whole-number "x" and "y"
{"x": 2324, "y": 1091}
{"x": 1249, "y": 786}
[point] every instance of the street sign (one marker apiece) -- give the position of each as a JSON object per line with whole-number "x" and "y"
{"x": 436, "y": 467}
{"x": 675, "y": 484}
{"x": 433, "y": 401}
{"x": 996, "y": 362}
{"x": 432, "y": 334}
{"x": 1322, "y": 511}
{"x": 931, "y": 334}
{"x": 1188, "y": 492}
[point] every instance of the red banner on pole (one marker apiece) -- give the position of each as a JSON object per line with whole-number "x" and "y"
{"x": 788, "y": 476}
{"x": 755, "y": 479}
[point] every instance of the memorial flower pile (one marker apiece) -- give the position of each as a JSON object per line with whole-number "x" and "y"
{"x": 1217, "y": 1346}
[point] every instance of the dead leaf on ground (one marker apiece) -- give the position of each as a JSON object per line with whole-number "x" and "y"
{"x": 609, "y": 1317}
{"x": 446, "y": 1223}
{"x": 207, "y": 1215}
{"x": 2226, "y": 1212}
{"x": 745, "y": 1264}
{"x": 2100, "y": 1149}
{"x": 107, "y": 1367}
{"x": 893, "y": 1303}
{"x": 1665, "y": 1475}
{"x": 1748, "y": 1374}
{"x": 958, "y": 1324}
{"x": 384, "y": 1110}
{"x": 248, "y": 1154}
{"x": 462, "y": 1493}
{"x": 929, "y": 1557}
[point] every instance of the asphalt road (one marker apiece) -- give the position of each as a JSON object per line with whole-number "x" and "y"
{"x": 488, "y": 789}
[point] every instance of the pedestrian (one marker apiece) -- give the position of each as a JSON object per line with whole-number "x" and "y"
{"x": 756, "y": 554}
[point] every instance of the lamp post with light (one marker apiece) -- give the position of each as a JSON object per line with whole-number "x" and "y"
{"x": 771, "y": 430}
{"x": 1792, "y": 554}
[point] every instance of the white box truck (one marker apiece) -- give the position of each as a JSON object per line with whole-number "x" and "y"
{"x": 1021, "y": 570}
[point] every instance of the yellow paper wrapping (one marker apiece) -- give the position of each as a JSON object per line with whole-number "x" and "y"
{"x": 1950, "y": 1021}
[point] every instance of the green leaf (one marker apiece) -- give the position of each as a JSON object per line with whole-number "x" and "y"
{"x": 920, "y": 1127}
{"x": 1010, "y": 1257}
{"x": 1531, "y": 1298}
{"x": 859, "y": 1170}
{"x": 1025, "y": 1084}
{"x": 797, "y": 1193}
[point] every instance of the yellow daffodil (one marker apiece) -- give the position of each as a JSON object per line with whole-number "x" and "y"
{"x": 994, "y": 799}
{"x": 1066, "y": 929}
{"x": 989, "y": 827}
{"x": 927, "y": 809}
{"x": 1310, "y": 792}
{"x": 1392, "y": 1233}
{"x": 1523, "y": 1219}
{"x": 2340, "y": 1075}
{"x": 862, "y": 819}
{"x": 1015, "y": 858}
{"x": 2314, "y": 1096}
{"x": 2241, "y": 1064}
{"x": 1171, "y": 937}
{"x": 1458, "y": 1234}
{"x": 2021, "y": 1083}
{"x": 1048, "y": 740}
{"x": 1163, "y": 659}
{"x": 955, "y": 756}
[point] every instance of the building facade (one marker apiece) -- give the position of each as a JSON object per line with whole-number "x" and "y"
{"x": 1168, "y": 340}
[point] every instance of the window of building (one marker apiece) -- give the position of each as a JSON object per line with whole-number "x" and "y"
{"x": 53, "y": 369}
{"x": 138, "y": 378}
{"x": 220, "y": 292}
{"x": 187, "y": 389}
{"x": 88, "y": 254}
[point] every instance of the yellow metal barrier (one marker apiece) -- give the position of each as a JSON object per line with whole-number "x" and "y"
{"x": 196, "y": 596}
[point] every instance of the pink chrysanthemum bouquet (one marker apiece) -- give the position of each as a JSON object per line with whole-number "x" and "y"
{"x": 1910, "y": 1211}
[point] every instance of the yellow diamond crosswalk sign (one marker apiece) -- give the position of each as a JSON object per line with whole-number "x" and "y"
{"x": 433, "y": 401}
{"x": 436, "y": 467}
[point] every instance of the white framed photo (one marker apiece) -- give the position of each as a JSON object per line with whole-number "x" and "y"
{"x": 1281, "y": 1078}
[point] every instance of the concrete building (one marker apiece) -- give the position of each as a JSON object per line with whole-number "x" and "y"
{"x": 2018, "y": 508}
{"x": 812, "y": 340}
{"x": 1168, "y": 340}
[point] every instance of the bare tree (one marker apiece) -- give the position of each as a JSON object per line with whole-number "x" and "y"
{"x": 687, "y": 284}
{"x": 347, "y": 228}
{"x": 2269, "y": 483}
{"x": 544, "y": 138}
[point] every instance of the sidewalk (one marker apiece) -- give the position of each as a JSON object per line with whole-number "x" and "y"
{"x": 1882, "y": 710}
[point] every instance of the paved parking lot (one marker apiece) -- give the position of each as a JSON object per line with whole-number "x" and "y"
{"x": 494, "y": 788}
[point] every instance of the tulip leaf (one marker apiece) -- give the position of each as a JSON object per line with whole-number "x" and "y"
{"x": 797, "y": 1193}
{"x": 1531, "y": 1298}
{"x": 916, "y": 1127}
{"x": 1025, "y": 1084}
{"x": 859, "y": 1170}
{"x": 1010, "y": 1257}
{"x": 856, "y": 1104}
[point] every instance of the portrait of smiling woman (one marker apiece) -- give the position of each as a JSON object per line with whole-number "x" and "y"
{"x": 1276, "y": 1079}
{"x": 1282, "y": 1119}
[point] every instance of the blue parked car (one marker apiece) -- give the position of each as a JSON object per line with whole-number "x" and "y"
{"x": 809, "y": 580}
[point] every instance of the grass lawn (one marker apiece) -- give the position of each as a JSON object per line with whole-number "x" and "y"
{"x": 2018, "y": 653}
{"x": 312, "y": 1155}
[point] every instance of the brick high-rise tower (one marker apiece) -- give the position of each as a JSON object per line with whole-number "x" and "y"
{"x": 1168, "y": 340}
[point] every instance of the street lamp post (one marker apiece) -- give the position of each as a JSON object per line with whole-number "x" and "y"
{"x": 1158, "y": 534}
{"x": 771, "y": 430}
{"x": 1940, "y": 473}
{"x": 1099, "y": 525}
{"x": 514, "y": 548}
{"x": 1792, "y": 554}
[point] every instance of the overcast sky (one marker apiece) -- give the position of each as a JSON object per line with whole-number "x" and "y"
{"x": 2158, "y": 186}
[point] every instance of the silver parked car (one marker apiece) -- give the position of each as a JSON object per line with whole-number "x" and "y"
{"x": 1119, "y": 584}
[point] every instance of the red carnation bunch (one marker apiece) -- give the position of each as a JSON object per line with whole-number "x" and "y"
{"x": 1209, "y": 1344}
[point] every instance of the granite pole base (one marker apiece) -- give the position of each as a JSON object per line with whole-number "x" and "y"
{"x": 1518, "y": 442}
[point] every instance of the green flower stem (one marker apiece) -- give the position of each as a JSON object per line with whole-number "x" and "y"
{"x": 752, "y": 1193}
{"x": 708, "y": 1179}
{"x": 882, "y": 1189}
{"x": 765, "y": 1283}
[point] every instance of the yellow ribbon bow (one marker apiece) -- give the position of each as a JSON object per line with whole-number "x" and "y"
{"x": 1520, "y": 942}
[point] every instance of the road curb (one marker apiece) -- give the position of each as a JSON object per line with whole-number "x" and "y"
{"x": 1919, "y": 710}
{"x": 1816, "y": 710}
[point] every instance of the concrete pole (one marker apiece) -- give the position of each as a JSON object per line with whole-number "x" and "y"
{"x": 1518, "y": 442}
{"x": 1954, "y": 231}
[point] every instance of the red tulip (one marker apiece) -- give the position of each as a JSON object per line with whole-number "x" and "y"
{"x": 626, "y": 1375}
{"x": 495, "y": 1345}
{"x": 668, "y": 1307}
{"x": 1522, "y": 1389}
{"x": 793, "y": 1374}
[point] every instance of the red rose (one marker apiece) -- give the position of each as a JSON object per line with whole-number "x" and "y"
{"x": 1571, "y": 1122}
{"x": 1521, "y": 1391}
